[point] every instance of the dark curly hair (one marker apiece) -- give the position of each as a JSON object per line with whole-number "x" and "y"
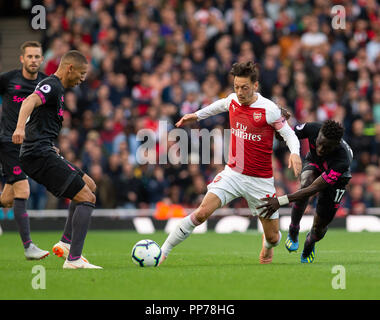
{"x": 245, "y": 69}
{"x": 332, "y": 130}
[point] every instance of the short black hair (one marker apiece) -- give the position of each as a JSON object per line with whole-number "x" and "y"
{"x": 332, "y": 130}
{"x": 74, "y": 56}
{"x": 247, "y": 69}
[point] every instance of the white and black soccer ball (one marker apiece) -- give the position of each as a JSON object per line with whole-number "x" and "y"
{"x": 146, "y": 253}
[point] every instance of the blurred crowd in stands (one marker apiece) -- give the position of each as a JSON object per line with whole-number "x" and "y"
{"x": 153, "y": 61}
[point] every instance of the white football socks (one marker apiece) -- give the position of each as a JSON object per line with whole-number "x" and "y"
{"x": 183, "y": 229}
{"x": 269, "y": 245}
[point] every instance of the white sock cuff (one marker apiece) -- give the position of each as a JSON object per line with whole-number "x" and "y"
{"x": 194, "y": 219}
{"x": 269, "y": 245}
{"x": 187, "y": 222}
{"x": 182, "y": 230}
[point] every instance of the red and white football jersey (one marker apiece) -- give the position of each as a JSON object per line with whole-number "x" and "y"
{"x": 252, "y": 130}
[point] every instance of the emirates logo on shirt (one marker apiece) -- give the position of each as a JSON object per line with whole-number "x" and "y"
{"x": 257, "y": 116}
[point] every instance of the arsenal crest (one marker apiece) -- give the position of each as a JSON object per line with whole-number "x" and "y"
{"x": 217, "y": 179}
{"x": 257, "y": 116}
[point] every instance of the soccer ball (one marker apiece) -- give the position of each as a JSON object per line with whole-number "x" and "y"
{"x": 146, "y": 253}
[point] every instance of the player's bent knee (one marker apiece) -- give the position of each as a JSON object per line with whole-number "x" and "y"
{"x": 7, "y": 203}
{"x": 91, "y": 198}
{"x": 85, "y": 195}
{"x": 90, "y": 183}
{"x": 21, "y": 189}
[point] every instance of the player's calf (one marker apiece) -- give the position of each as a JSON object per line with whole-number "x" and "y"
{"x": 318, "y": 233}
{"x": 80, "y": 221}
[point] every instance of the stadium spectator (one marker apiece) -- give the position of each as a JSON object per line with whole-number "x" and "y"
{"x": 362, "y": 146}
{"x": 143, "y": 93}
{"x": 157, "y": 186}
{"x": 105, "y": 191}
{"x": 356, "y": 202}
{"x": 374, "y": 195}
{"x": 129, "y": 188}
{"x": 53, "y": 56}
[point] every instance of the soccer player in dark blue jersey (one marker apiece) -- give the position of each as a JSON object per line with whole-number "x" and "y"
{"x": 39, "y": 123}
{"x": 326, "y": 171}
{"x": 15, "y": 86}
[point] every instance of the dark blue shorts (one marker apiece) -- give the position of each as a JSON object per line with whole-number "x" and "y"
{"x": 62, "y": 178}
{"x": 10, "y": 162}
{"x": 328, "y": 200}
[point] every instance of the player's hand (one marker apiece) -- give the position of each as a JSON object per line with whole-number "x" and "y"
{"x": 295, "y": 162}
{"x": 18, "y": 136}
{"x": 270, "y": 207}
{"x": 187, "y": 118}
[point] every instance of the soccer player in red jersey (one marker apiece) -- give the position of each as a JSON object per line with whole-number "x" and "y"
{"x": 254, "y": 120}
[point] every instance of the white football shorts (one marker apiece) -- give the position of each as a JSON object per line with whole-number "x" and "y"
{"x": 229, "y": 185}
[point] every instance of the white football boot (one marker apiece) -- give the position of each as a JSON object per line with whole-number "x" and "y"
{"x": 35, "y": 253}
{"x": 79, "y": 264}
{"x": 62, "y": 249}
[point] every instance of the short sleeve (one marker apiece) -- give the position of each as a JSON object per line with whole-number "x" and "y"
{"x": 302, "y": 130}
{"x": 45, "y": 90}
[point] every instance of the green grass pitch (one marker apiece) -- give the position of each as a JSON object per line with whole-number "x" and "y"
{"x": 207, "y": 266}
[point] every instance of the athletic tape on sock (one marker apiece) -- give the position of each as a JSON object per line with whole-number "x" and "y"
{"x": 283, "y": 200}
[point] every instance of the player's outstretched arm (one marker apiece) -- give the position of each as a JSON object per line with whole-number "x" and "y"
{"x": 27, "y": 107}
{"x": 211, "y": 110}
{"x": 273, "y": 204}
{"x": 186, "y": 119}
